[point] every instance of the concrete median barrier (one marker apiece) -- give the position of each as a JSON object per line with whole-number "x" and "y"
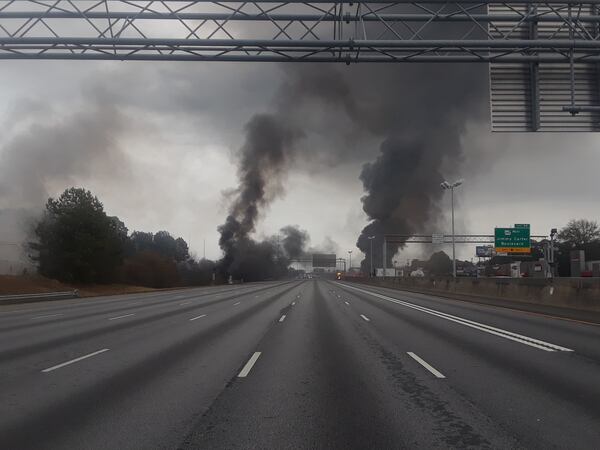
{"x": 39, "y": 297}
{"x": 556, "y": 295}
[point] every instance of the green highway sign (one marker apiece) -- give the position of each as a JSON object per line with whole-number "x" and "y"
{"x": 512, "y": 240}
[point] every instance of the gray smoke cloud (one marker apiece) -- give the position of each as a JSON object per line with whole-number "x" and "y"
{"x": 51, "y": 151}
{"x": 48, "y": 151}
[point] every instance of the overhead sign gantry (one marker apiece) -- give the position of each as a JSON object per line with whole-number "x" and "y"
{"x": 544, "y": 57}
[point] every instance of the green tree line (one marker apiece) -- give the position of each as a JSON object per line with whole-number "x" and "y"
{"x": 75, "y": 241}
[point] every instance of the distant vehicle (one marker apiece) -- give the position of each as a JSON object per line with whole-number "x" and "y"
{"x": 417, "y": 273}
{"x": 469, "y": 271}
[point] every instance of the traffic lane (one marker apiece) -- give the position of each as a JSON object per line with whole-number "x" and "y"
{"x": 37, "y": 320}
{"x": 527, "y": 390}
{"x": 322, "y": 381}
{"x": 67, "y": 338}
{"x": 142, "y": 393}
{"x": 14, "y": 309}
{"x": 90, "y": 304}
{"x": 61, "y": 330}
{"x": 582, "y": 337}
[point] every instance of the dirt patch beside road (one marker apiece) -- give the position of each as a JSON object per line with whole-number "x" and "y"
{"x": 33, "y": 284}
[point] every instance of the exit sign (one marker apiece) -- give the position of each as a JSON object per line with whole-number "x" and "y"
{"x": 512, "y": 240}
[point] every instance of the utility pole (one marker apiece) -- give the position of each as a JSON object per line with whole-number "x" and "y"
{"x": 350, "y": 263}
{"x": 204, "y": 250}
{"x": 450, "y": 186}
{"x": 551, "y": 260}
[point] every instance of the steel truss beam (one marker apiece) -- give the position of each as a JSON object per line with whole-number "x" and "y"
{"x": 459, "y": 238}
{"x": 315, "y": 31}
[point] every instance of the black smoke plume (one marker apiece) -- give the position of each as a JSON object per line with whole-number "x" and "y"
{"x": 263, "y": 162}
{"x": 294, "y": 241}
{"x": 422, "y": 145}
{"x": 416, "y": 112}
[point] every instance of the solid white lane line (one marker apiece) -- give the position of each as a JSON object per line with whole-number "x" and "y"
{"x": 185, "y": 303}
{"x": 198, "y": 317}
{"x": 532, "y": 342}
{"x": 365, "y": 318}
{"x": 429, "y": 367}
{"x": 46, "y": 316}
{"x": 248, "y": 367}
{"x": 121, "y": 317}
{"x": 235, "y": 304}
{"x": 89, "y": 355}
{"x": 347, "y": 303}
{"x": 282, "y": 318}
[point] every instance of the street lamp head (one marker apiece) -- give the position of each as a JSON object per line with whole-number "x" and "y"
{"x": 446, "y": 185}
{"x": 371, "y": 237}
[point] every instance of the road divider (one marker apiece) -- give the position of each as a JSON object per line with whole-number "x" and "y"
{"x": 249, "y": 365}
{"x": 428, "y": 366}
{"x": 72, "y": 361}
{"x": 526, "y": 340}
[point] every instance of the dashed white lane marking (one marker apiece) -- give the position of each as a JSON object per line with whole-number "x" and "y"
{"x": 46, "y": 316}
{"x": 89, "y": 355}
{"x": 122, "y": 317}
{"x": 429, "y": 367}
{"x": 198, "y": 317}
{"x": 282, "y": 318}
{"x": 185, "y": 303}
{"x": 365, "y": 318}
{"x": 235, "y": 304}
{"x": 248, "y": 367}
{"x": 293, "y": 303}
{"x": 347, "y": 303}
{"x": 532, "y": 342}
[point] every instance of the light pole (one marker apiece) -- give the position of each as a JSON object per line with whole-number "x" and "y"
{"x": 450, "y": 186}
{"x": 350, "y": 262}
{"x": 370, "y": 238}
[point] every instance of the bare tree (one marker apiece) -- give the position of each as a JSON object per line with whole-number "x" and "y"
{"x": 580, "y": 232}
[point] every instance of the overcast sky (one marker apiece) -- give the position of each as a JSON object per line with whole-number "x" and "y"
{"x": 155, "y": 142}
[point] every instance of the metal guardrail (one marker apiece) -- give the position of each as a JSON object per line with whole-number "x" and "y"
{"x": 39, "y": 297}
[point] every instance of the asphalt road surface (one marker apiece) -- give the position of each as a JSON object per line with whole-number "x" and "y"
{"x": 300, "y": 365}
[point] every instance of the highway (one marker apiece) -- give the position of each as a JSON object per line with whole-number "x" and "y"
{"x": 294, "y": 365}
